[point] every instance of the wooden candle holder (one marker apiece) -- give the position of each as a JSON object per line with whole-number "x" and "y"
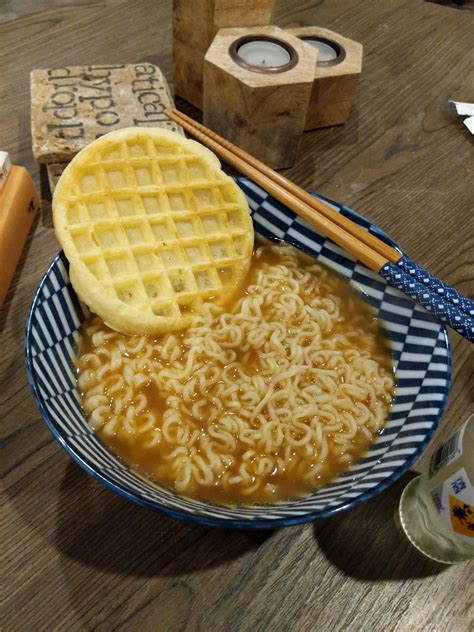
{"x": 195, "y": 23}
{"x": 263, "y": 112}
{"x": 335, "y": 82}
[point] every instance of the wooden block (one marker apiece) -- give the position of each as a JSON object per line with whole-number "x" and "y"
{"x": 228, "y": 13}
{"x": 195, "y": 23}
{"x": 326, "y": 115}
{"x": 70, "y": 107}
{"x": 335, "y": 82}
{"x": 263, "y": 113}
{"x": 187, "y": 73}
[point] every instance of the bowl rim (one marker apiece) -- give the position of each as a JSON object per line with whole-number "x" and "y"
{"x": 228, "y": 523}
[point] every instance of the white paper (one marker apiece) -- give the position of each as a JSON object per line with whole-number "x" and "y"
{"x": 463, "y": 109}
{"x": 469, "y": 123}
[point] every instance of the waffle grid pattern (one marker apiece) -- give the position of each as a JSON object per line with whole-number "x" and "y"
{"x": 157, "y": 227}
{"x": 423, "y": 372}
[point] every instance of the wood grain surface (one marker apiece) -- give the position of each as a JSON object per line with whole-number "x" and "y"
{"x": 78, "y": 557}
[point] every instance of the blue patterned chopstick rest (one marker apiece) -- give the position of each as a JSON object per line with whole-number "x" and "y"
{"x": 443, "y": 290}
{"x": 435, "y": 303}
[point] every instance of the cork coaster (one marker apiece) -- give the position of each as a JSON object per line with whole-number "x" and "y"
{"x": 71, "y": 107}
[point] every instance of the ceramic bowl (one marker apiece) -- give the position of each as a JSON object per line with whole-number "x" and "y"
{"x": 420, "y": 350}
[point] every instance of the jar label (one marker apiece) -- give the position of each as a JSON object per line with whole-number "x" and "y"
{"x": 447, "y": 452}
{"x": 462, "y": 516}
{"x": 454, "y": 501}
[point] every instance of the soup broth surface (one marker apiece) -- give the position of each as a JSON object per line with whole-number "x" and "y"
{"x": 262, "y": 401}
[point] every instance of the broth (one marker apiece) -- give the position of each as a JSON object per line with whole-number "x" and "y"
{"x": 222, "y": 440}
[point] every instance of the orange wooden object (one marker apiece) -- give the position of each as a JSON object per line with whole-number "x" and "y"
{"x": 19, "y": 202}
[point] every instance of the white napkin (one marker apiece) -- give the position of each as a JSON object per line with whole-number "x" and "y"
{"x": 465, "y": 109}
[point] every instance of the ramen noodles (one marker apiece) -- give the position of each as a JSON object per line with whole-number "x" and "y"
{"x": 263, "y": 400}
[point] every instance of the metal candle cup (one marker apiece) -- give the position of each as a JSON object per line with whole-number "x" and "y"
{"x": 329, "y": 53}
{"x": 264, "y": 54}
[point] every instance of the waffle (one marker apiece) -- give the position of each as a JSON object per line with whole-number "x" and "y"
{"x": 152, "y": 229}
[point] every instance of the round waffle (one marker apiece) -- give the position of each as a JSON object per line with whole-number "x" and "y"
{"x": 152, "y": 228}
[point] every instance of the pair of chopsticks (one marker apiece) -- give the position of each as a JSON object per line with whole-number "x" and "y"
{"x": 443, "y": 301}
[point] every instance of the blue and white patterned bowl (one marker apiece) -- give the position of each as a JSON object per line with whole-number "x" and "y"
{"x": 423, "y": 372}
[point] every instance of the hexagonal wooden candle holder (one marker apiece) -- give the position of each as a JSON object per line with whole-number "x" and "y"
{"x": 335, "y": 81}
{"x": 260, "y": 109}
{"x": 195, "y": 23}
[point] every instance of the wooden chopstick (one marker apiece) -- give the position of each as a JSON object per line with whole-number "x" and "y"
{"x": 443, "y": 302}
{"x": 388, "y": 253}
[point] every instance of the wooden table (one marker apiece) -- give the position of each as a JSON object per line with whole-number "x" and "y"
{"x": 79, "y": 557}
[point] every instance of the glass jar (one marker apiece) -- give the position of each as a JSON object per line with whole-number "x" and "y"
{"x": 437, "y": 508}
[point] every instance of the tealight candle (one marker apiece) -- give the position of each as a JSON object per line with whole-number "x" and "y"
{"x": 264, "y": 54}
{"x": 326, "y": 52}
{"x": 260, "y": 53}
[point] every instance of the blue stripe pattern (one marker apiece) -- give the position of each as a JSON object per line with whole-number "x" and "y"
{"x": 426, "y": 294}
{"x": 420, "y": 350}
{"x": 440, "y": 288}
